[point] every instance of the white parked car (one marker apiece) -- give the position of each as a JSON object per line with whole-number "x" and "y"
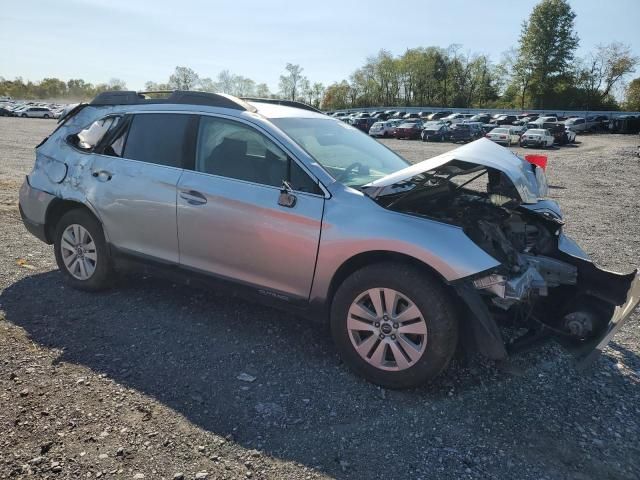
{"x": 571, "y": 135}
{"x": 456, "y": 118}
{"x": 382, "y": 129}
{"x": 504, "y": 135}
{"x": 35, "y": 112}
{"x": 537, "y": 137}
{"x": 541, "y": 120}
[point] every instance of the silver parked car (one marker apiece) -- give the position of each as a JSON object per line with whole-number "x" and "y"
{"x": 35, "y": 112}
{"x": 283, "y": 203}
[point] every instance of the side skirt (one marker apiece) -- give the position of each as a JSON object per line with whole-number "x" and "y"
{"x": 128, "y": 261}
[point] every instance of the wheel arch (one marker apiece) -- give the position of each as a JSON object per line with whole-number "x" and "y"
{"x": 363, "y": 259}
{"x": 57, "y": 208}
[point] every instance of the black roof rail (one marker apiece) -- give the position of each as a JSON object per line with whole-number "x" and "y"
{"x": 286, "y": 103}
{"x": 184, "y": 97}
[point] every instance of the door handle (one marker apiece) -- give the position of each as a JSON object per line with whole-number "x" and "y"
{"x": 193, "y": 198}
{"x": 102, "y": 175}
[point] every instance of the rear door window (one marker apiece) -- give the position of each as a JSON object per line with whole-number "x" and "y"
{"x": 160, "y": 138}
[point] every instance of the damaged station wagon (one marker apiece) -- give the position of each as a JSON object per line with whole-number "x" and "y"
{"x": 406, "y": 262}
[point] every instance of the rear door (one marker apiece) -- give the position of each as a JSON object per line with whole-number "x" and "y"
{"x": 235, "y": 222}
{"x": 133, "y": 182}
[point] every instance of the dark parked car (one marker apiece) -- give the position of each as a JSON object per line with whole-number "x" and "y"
{"x": 363, "y": 123}
{"x": 559, "y": 132}
{"x": 505, "y": 120}
{"x": 481, "y": 117}
{"x": 598, "y": 123}
{"x": 487, "y": 127}
{"x": 5, "y": 112}
{"x": 465, "y": 132}
{"x": 410, "y": 129}
{"x": 435, "y": 132}
{"x": 381, "y": 116}
{"x": 625, "y": 124}
{"x": 438, "y": 115}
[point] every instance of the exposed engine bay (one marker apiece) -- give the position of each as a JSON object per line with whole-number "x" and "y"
{"x": 537, "y": 286}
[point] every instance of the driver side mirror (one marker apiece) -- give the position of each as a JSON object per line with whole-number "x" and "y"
{"x": 287, "y": 198}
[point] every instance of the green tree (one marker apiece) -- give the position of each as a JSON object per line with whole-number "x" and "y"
{"x": 632, "y": 96}
{"x": 183, "y": 78}
{"x": 546, "y": 50}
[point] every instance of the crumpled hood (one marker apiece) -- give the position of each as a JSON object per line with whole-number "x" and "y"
{"x": 529, "y": 181}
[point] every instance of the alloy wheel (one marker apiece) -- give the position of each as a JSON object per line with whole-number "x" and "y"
{"x": 78, "y": 252}
{"x": 387, "y": 329}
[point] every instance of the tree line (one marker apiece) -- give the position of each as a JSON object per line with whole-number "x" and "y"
{"x": 543, "y": 72}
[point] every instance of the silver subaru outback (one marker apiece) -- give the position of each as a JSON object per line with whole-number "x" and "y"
{"x": 278, "y": 201}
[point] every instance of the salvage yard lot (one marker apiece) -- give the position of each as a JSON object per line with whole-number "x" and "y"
{"x": 143, "y": 379}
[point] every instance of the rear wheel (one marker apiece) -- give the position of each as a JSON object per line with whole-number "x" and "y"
{"x": 394, "y": 325}
{"x": 81, "y": 251}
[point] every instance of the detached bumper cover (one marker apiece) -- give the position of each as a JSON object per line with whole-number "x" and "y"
{"x": 590, "y": 350}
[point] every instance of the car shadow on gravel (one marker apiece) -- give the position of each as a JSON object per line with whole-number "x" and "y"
{"x": 186, "y": 348}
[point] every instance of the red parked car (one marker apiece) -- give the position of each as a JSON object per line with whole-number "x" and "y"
{"x": 410, "y": 129}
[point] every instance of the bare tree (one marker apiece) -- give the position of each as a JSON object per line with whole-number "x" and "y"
{"x": 605, "y": 68}
{"x": 262, "y": 90}
{"x": 290, "y": 82}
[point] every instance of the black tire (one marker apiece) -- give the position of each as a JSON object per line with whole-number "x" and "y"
{"x": 46, "y": 115}
{"x": 103, "y": 275}
{"x": 24, "y": 115}
{"x": 432, "y": 300}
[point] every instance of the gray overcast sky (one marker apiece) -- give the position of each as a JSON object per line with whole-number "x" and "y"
{"x": 144, "y": 40}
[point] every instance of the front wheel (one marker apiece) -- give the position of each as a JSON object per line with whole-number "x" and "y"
{"x": 81, "y": 251}
{"x": 394, "y": 325}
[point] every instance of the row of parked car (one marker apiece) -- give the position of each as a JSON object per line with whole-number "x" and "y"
{"x": 10, "y": 108}
{"x": 533, "y": 134}
{"x": 627, "y": 123}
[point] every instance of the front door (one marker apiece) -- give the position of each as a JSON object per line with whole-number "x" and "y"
{"x": 234, "y": 221}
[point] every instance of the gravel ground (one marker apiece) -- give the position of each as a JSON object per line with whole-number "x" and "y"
{"x": 145, "y": 381}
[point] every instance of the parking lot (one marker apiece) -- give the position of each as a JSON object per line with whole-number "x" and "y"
{"x": 146, "y": 379}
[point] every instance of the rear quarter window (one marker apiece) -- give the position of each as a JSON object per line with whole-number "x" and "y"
{"x": 159, "y": 138}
